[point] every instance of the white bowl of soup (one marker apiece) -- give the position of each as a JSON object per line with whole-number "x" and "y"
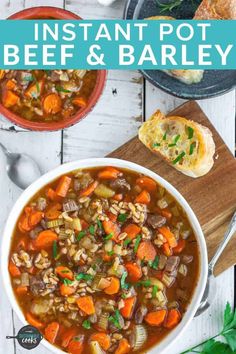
{"x": 104, "y": 256}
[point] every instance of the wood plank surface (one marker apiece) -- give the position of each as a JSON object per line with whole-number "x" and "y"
{"x": 207, "y": 194}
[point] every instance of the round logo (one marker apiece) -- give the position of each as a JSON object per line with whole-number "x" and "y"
{"x": 28, "y": 337}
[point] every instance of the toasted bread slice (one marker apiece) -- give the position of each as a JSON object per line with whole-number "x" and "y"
{"x": 186, "y": 145}
{"x": 187, "y": 76}
{"x": 216, "y": 10}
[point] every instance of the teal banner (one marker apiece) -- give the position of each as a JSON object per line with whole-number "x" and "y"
{"x": 112, "y": 44}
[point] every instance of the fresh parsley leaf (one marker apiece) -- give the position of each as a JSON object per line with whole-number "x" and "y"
{"x": 81, "y": 235}
{"x": 228, "y": 317}
{"x": 123, "y": 283}
{"x": 92, "y": 229}
{"x": 145, "y": 283}
{"x": 86, "y": 324}
{"x": 137, "y": 242}
{"x": 83, "y": 276}
{"x": 168, "y": 7}
{"x": 122, "y": 217}
{"x": 115, "y": 319}
{"x": 154, "y": 264}
{"x": 99, "y": 224}
{"x": 110, "y": 253}
{"x": 108, "y": 237}
{"x": 61, "y": 89}
{"x": 127, "y": 241}
{"x": 216, "y": 347}
{"x": 156, "y": 145}
{"x": 67, "y": 281}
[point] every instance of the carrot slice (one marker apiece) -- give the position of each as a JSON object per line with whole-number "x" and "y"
{"x": 45, "y": 239}
{"x": 75, "y": 347}
{"x": 35, "y": 217}
{"x": 146, "y": 251}
{"x": 169, "y": 236}
{"x": 86, "y": 304}
{"x": 11, "y": 85}
{"x": 52, "y": 103}
{"x": 63, "y": 186}
{"x": 66, "y": 290}
{"x": 173, "y": 318}
{"x": 147, "y": 183}
{"x": 23, "y": 224}
{"x": 155, "y": 318}
{"x": 143, "y": 198}
{"x": 166, "y": 213}
{"x": 118, "y": 197}
{"x": 35, "y": 89}
{"x": 114, "y": 286}
{"x": 132, "y": 231}
{"x": 123, "y": 347}
{"x": 67, "y": 337}
{"x": 54, "y": 211}
{"x": 88, "y": 190}
{"x": 9, "y": 98}
{"x": 51, "y": 194}
{"x": 167, "y": 250}
{"x": 64, "y": 272}
{"x": 21, "y": 290}
{"x": 180, "y": 246}
{"x": 109, "y": 173}
{"x": 80, "y": 101}
{"x": 111, "y": 216}
{"x": 128, "y": 309}
{"x": 51, "y": 332}
{"x": 111, "y": 227}
{"x": 34, "y": 321}
{"x": 102, "y": 338}
{"x": 13, "y": 269}
{"x": 134, "y": 271}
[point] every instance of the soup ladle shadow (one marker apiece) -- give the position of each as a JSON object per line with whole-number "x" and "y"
{"x": 21, "y": 168}
{"x": 210, "y": 290}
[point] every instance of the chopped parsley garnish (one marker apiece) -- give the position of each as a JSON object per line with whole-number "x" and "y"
{"x": 108, "y": 237}
{"x": 86, "y": 324}
{"x": 123, "y": 284}
{"x": 67, "y": 281}
{"x": 156, "y": 145}
{"x": 192, "y": 147}
{"x": 155, "y": 263}
{"x": 92, "y": 229}
{"x": 83, "y": 276}
{"x": 115, "y": 319}
{"x": 190, "y": 132}
{"x": 37, "y": 86}
{"x": 99, "y": 224}
{"x": 154, "y": 291}
{"x": 127, "y": 241}
{"x": 137, "y": 242}
{"x": 61, "y": 89}
{"x": 145, "y": 283}
{"x": 110, "y": 253}
{"x": 54, "y": 249}
{"x": 179, "y": 158}
{"x": 81, "y": 235}
{"x": 122, "y": 217}
{"x": 176, "y": 139}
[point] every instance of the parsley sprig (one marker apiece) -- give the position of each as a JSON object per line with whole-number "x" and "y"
{"x": 170, "y": 6}
{"x": 228, "y": 332}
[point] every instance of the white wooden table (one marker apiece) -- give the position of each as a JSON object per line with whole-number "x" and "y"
{"x": 127, "y": 100}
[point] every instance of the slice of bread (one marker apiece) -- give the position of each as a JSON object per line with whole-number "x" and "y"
{"x": 186, "y": 145}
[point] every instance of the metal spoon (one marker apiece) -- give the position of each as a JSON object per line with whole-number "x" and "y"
{"x": 21, "y": 168}
{"x": 210, "y": 291}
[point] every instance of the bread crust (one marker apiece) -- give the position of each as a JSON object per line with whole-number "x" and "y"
{"x": 201, "y": 163}
{"x": 216, "y": 9}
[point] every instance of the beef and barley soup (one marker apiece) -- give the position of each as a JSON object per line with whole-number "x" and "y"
{"x": 46, "y": 95}
{"x": 103, "y": 260}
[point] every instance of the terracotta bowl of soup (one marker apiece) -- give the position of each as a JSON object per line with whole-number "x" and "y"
{"x": 104, "y": 249}
{"x": 49, "y": 100}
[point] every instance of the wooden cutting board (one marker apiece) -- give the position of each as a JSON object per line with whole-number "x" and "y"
{"x": 212, "y": 197}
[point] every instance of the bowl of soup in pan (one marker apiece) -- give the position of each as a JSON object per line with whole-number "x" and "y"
{"x": 104, "y": 256}
{"x": 48, "y": 99}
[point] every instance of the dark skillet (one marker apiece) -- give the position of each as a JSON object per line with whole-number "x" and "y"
{"x": 214, "y": 82}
